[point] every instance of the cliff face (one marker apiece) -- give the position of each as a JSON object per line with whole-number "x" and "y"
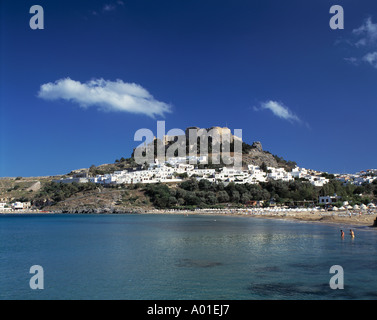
{"x": 256, "y": 156}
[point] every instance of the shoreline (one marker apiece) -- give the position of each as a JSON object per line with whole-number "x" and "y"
{"x": 338, "y": 218}
{"x": 327, "y": 217}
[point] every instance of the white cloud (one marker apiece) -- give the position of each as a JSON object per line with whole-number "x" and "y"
{"x": 279, "y": 110}
{"x": 112, "y": 6}
{"x": 352, "y": 60}
{"x": 371, "y": 58}
{"x": 365, "y": 40}
{"x": 109, "y": 7}
{"x": 366, "y": 33}
{"x": 106, "y": 95}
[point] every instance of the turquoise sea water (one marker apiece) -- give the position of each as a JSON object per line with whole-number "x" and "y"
{"x": 182, "y": 257}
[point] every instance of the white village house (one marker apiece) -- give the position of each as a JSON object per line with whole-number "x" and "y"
{"x": 170, "y": 170}
{"x": 328, "y": 199}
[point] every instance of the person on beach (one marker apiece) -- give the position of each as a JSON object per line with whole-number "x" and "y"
{"x": 342, "y": 234}
{"x": 352, "y": 234}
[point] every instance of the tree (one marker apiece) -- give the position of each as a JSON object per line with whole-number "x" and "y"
{"x": 191, "y": 199}
{"x": 189, "y": 185}
{"x": 263, "y": 167}
{"x": 235, "y": 196}
{"x": 204, "y": 185}
{"x": 220, "y": 186}
{"x": 211, "y": 197}
{"x": 245, "y": 197}
{"x": 161, "y": 202}
{"x": 92, "y": 170}
{"x": 172, "y": 201}
{"x": 241, "y": 188}
{"x": 327, "y": 176}
{"x": 230, "y": 187}
{"x": 223, "y": 196}
{"x": 159, "y": 195}
{"x": 183, "y": 175}
{"x": 246, "y": 147}
{"x": 180, "y": 193}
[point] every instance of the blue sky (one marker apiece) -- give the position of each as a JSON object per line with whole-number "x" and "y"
{"x": 75, "y": 93}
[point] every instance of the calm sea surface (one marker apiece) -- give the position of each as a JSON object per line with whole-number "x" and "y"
{"x": 182, "y": 257}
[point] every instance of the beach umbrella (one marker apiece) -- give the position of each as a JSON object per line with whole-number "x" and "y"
{"x": 335, "y": 208}
{"x": 371, "y": 205}
{"x": 342, "y": 208}
{"x": 363, "y": 207}
{"x": 349, "y": 207}
{"x": 345, "y": 203}
{"x": 356, "y": 207}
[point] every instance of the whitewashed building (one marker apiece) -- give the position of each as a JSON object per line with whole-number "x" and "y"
{"x": 167, "y": 172}
{"x": 279, "y": 174}
{"x": 328, "y": 199}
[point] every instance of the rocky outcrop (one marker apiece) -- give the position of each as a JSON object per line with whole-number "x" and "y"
{"x": 35, "y": 186}
{"x": 223, "y": 133}
{"x": 256, "y": 156}
{"x": 257, "y": 145}
{"x": 251, "y": 154}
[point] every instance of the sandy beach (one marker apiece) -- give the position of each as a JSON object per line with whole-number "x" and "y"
{"x": 329, "y": 217}
{"x": 350, "y": 218}
{"x": 363, "y": 220}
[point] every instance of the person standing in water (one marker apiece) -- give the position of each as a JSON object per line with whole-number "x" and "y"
{"x": 342, "y": 234}
{"x": 352, "y": 234}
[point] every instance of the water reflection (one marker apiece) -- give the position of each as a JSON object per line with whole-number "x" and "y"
{"x": 176, "y": 257}
{"x": 192, "y": 263}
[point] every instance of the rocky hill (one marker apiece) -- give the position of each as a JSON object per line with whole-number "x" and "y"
{"x": 41, "y": 192}
{"x": 255, "y": 155}
{"x": 251, "y": 154}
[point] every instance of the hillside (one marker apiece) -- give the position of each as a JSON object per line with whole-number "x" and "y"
{"x": 188, "y": 194}
{"x": 22, "y": 189}
{"x": 43, "y": 193}
{"x": 251, "y": 154}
